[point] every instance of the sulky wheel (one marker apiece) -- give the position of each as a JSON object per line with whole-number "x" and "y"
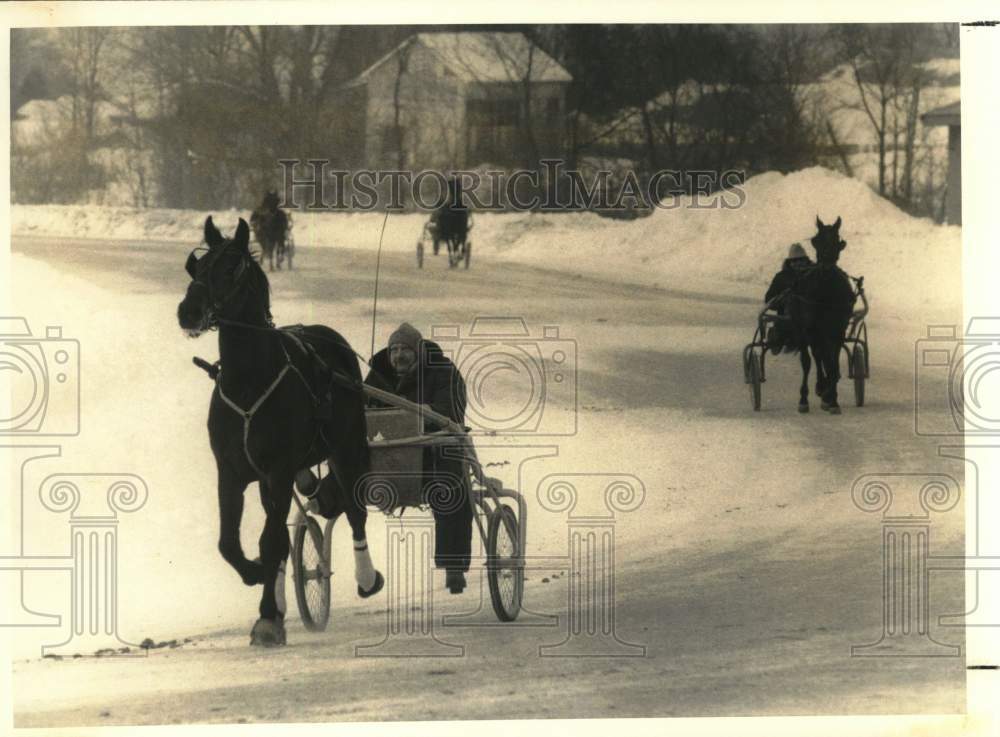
{"x": 504, "y": 564}
{"x": 753, "y": 379}
{"x": 858, "y": 368}
{"x": 420, "y": 255}
{"x": 312, "y": 576}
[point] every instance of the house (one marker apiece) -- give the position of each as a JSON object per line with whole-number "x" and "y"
{"x": 448, "y": 101}
{"x": 950, "y": 116}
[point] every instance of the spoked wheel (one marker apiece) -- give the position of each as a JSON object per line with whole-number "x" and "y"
{"x": 504, "y": 567}
{"x": 468, "y": 253}
{"x": 753, "y": 379}
{"x": 420, "y": 255}
{"x": 858, "y": 368}
{"x": 312, "y": 576}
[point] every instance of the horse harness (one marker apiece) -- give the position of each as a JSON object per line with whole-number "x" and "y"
{"x": 294, "y": 333}
{"x": 791, "y": 292}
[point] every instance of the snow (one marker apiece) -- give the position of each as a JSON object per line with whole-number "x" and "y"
{"x": 746, "y": 570}
{"x": 904, "y": 259}
{"x": 743, "y": 512}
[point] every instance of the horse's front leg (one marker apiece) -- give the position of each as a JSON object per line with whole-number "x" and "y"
{"x": 826, "y": 380}
{"x": 804, "y": 389}
{"x": 832, "y": 376}
{"x": 276, "y": 497}
{"x": 231, "y": 489}
{"x": 817, "y": 354}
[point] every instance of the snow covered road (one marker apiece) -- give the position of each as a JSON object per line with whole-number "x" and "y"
{"x": 747, "y": 573}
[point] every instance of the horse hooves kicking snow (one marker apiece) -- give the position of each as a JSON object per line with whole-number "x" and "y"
{"x": 268, "y": 633}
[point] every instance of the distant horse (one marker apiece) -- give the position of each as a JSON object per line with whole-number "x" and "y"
{"x": 275, "y": 410}
{"x": 819, "y": 307}
{"x": 453, "y": 229}
{"x": 271, "y": 227}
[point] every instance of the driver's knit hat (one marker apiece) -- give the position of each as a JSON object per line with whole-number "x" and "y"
{"x": 406, "y": 335}
{"x": 797, "y": 251}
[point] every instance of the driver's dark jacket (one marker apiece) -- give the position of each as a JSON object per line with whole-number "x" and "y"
{"x": 786, "y": 278}
{"x": 436, "y": 382}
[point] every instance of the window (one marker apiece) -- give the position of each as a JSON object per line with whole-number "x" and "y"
{"x": 493, "y": 112}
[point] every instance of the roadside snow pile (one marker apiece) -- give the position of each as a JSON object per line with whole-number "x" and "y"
{"x": 912, "y": 266}
{"x": 113, "y": 223}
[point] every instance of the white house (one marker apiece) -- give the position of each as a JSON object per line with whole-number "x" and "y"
{"x": 456, "y": 100}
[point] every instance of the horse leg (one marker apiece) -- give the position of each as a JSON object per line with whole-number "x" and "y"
{"x": 832, "y": 358}
{"x": 817, "y": 355}
{"x": 804, "y": 389}
{"x": 276, "y": 498}
{"x": 230, "y": 514}
{"x": 349, "y": 472}
{"x": 826, "y": 386}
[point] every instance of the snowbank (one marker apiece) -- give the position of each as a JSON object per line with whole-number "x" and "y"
{"x": 912, "y": 266}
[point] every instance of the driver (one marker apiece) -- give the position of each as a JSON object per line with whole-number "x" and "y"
{"x": 417, "y": 370}
{"x": 797, "y": 262}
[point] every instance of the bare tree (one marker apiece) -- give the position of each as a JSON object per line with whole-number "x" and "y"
{"x": 402, "y": 65}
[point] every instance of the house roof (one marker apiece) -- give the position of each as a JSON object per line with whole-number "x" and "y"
{"x": 483, "y": 57}
{"x": 947, "y": 115}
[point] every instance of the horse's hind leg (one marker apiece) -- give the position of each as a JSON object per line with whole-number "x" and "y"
{"x": 230, "y": 514}
{"x": 804, "y": 389}
{"x": 350, "y": 471}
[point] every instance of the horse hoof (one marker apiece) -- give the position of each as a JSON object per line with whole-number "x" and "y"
{"x": 268, "y": 633}
{"x": 376, "y": 587}
{"x": 803, "y": 409}
{"x": 833, "y": 409}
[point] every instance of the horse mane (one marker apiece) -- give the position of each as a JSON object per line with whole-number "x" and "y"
{"x": 259, "y": 285}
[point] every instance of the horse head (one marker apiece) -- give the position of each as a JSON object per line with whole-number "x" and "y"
{"x": 226, "y": 283}
{"x": 827, "y": 242}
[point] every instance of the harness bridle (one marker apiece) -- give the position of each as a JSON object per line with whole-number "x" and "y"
{"x": 211, "y": 320}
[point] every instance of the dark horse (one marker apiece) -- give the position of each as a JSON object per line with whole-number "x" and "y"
{"x": 820, "y": 306}
{"x": 271, "y": 226}
{"x": 275, "y": 410}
